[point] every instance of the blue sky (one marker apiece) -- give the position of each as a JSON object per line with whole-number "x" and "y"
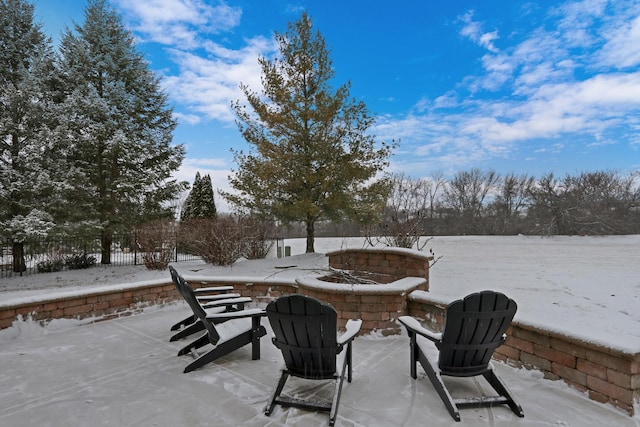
{"x": 515, "y": 86}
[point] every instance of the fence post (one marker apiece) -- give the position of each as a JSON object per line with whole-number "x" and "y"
{"x": 135, "y": 247}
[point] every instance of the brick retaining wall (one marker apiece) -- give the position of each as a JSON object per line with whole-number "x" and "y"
{"x": 107, "y": 303}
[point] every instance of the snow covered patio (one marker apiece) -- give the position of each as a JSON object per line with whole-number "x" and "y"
{"x": 125, "y": 372}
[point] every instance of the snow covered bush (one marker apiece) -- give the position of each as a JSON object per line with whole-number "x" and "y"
{"x": 259, "y": 240}
{"x": 219, "y": 241}
{"x": 80, "y": 261}
{"x": 157, "y": 242}
{"x": 50, "y": 265}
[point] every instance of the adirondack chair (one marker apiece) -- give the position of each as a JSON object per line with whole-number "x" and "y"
{"x": 474, "y": 327}
{"x": 305, "y": 330}
{"x": 207, "y": 297}
{"x": 226, "y": 331}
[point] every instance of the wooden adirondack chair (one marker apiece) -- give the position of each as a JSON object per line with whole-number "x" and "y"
{"x": 226, "y": 331}
{"x": 305, "y": 330}
{"x": 474, "y": 327}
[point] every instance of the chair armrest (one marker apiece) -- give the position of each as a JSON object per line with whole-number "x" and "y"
{"x": 212, "y": 289}
{"x": 207, "y": 298}
{"x": 227, "y": 302}
{"x": 353, "y": 327}
{"x": 252, "y": 312}
{"x": 214, "y": 310}
{"x": 414, "y": 326}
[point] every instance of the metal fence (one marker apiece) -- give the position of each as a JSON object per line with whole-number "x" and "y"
{"x": 38, "y": 254}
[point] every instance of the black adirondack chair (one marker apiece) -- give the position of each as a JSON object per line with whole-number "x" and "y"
{"x": 474, "y": 327}
{"x": 305, "y": 331}
{"x": 207, "y": 297}
{"x": 226, "y": 331}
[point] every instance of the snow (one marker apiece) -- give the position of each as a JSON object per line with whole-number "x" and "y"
{"x": 125, "y": 372}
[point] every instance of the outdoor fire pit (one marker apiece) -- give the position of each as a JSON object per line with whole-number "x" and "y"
{"x": 370, "y": 284}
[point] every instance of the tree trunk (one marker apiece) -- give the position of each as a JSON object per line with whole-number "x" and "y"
{"x": 106, "y": 238}
{"x": 310, "y": 235}
{"x": 19, "y": 264}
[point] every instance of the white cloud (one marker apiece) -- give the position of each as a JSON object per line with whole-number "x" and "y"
{"x": 474, "y": 31}
{"x": 622, "y": 49}
{"x": 208, "y": 84}
{"x": 191, "y": 119}
{"x": 180, "y": 22}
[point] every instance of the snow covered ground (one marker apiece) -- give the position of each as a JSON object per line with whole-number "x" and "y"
{"x": 124, "y": 372}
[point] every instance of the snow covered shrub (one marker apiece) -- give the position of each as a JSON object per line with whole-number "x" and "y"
{"x": 219, "y": 241}
{"x": 259, "y": 239}
{"x": 80, "y": 261}
{"x": 54, "y": 263}
{"x": 157, "y": 242}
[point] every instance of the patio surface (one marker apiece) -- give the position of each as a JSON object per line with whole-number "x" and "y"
{"x": 125, "y": 372}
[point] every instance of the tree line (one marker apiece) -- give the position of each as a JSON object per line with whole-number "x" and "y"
{"x": 484, "y": 202}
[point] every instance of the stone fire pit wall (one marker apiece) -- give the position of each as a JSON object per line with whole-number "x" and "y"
{"x": 388, "y": 264}
{"x": 398, "y": 272}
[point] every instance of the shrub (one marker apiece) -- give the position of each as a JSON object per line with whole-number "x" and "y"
{"x": 157, "y": 242}
{"x": 55, "y": 263}
{"x": 218, "y": 241}
{"x": 259, "y": 240}
{"x": 80, "y": 261}
{"x": 226, "y": 238}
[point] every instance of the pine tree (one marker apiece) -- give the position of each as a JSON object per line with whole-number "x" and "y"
{"x": 119, "y": 128}
{"x": 189, "y": 203}
{"x": 207, "y": 204}
{"x": 312, "y": 156}
{"x": 200, "y": 202}
{"x": 26, "y": 106}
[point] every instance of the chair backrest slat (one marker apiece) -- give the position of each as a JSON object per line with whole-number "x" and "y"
{"x": 305, "y": 332}
{"x": 190, "y": 297}
{"x": 474, "y": 328}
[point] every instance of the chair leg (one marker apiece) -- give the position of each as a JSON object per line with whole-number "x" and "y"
{"x": 257, "y": 332}
{"x": 338, "y": 391}
{"x": 276, "y": 392}
{"x": 200, "y": 342}
{"x": 189, "y": 330}
{"x": 349, "y": 362}
{"x": 413, "y": 354}
{"x": 438, "y": 384}
{"x": 184, "y": 322}
{"x": 222, "y": 349}
{"x": 502, "y": 390}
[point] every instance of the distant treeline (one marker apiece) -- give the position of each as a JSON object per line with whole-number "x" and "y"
{"x": 486, "y": 203}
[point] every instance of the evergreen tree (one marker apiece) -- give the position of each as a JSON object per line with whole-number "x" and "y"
{"x": 207, "y": 204}
{"x": 189, "y": 203}
{"x": 26, "y": 111}
{"x": 312, "y": 156}
{"x": 118, "y": 126}
{"x": 200, "y": 202}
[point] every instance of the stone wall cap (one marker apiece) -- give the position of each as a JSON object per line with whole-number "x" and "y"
{"x": 400, "y": 286}
{"x": 389, "y": 250}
